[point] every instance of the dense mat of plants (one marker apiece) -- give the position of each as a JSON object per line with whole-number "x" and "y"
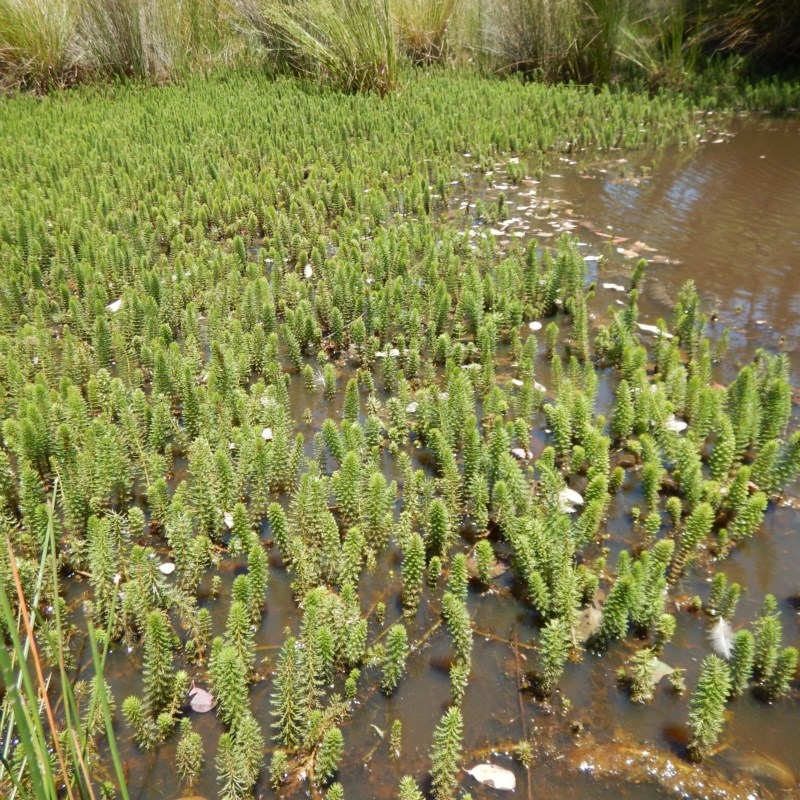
{"x": 175, "y": 262}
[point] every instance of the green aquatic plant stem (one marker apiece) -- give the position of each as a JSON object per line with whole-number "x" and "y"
{"x": 707, "y": 708}
{"x": 446, "y": 754}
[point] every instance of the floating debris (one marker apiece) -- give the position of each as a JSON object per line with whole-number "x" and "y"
{"x": 115, "y": 306}
{"x": 615, "y": 287}
{"x": 569, "y": 500}
{"x": 721, "y": 638}
{"x": 654, "y": 329}
{"x": 535, "y": 325}
{"x": 228, "y": 517}
{"x": 661, "y": 670}
{"x": 493, "y": 776}
{"x": 266, "y": 434}
{"x": 675, "y": 424}
{"x": 167, "y": 568}
{"x": 588, "y": 623}
{"x": 200, "y": 700}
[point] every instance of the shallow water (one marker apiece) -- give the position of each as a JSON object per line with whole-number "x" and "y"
{"x": 727, "y": 215}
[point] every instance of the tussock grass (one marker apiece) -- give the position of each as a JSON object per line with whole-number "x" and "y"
{"x": 424, "y": 28}
{"x": 349, "y": 44}
{"x": 37, "y": 43}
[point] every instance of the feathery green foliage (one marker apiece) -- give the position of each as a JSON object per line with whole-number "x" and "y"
{"x": 707, "y": 707}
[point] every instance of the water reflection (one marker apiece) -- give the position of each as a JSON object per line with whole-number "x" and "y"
{"x": 728, "y": 212}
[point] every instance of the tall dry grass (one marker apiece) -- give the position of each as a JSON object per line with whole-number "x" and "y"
{"x": 38, "y": 48}
{"x": 349, "y": 44}
{"x": 50, "y": 43}
{"x": 425, "y": 29}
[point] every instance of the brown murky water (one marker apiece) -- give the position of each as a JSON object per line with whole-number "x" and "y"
{"x": 727, "y": 215}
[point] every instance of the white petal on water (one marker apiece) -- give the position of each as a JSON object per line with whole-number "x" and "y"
{"x": 519, "y": 452}
{"x": 394, "y": 352}
{"x": 535, "y": 325}
{"x": 308, "y": 272}
{"x": 412, "y": 407}
{"x": 643, "y": 326}
{"x": 539, "y": 386}
{"x": 517, "y": 382}
{"x": 493, "y": 776}
{"x": 228, "y": 517}
{"x": 615, "y": 287}
{"x": 167, "y": 568}
{"x": 115, "y": 306}
{"x": 266, "y": 434}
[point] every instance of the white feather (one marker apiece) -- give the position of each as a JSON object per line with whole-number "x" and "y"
{"x": 721, "y": 638}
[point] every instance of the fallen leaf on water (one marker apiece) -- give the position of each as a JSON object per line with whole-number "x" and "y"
{"x": 568, "y": 499}
{"x": 661, "y": 670}
{"x": 200, "y": 700}
{"x": 494, "y": 776}
{"x": 589, "y": 621}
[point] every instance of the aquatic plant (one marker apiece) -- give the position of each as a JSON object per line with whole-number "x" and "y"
{"x": 394, "y": 659}
{"x": 189, "y": 756}
{"x": 328, "y": 755}
{"x": 643, "y": 683}
{"x": 741, "y": 661}
{"x": 553, "y": 645}
{"x": 408, "y": 789}
{"x": 288, "y": 699}
{"x": 707, "y": 707}
{"x": 456, "y": 616}
{"x": 228, "y": 681}
{"x": 175, "y": 337}
{"x": 446, "y": 754}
